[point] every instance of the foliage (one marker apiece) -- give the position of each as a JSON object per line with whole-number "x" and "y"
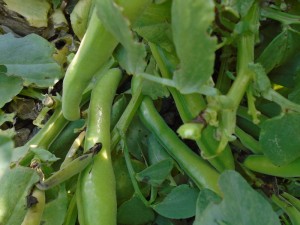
{"x": 148, "y": 76}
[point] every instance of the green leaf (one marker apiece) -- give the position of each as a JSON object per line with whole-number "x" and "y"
{"x": 55, "y": 211}
{"x": 134, "y": 212}
{"x": 239, "y": 6}
{"x": 44, "y": 155}
{"x": 241, "y": 204}
{"x": 194, "y": 45}
{"x": 15, "y": 186}
{"x": 6, "y": 117}
{"x": 111, "y": 16}
{"x": 10, "y": 86}
{"x": 154, "y": 25}
{"x": 206, "y": 199}
{"x": 261, "y": 82}
{"x": 281, "y": 49}
{"x": 150, "y": 88}
{"x": 160, "y": 220}
{"x": 279, "y": 138}
{"x": 6, "y": 148}
{"x": 136, "y": 138}
{"x": 180, "y": 203}
{"x": 156, "y": 173}
{"x": 156, "y": 152}
{"x": 30, "y": 58}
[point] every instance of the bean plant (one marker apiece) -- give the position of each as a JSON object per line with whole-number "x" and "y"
{"x": 140, "y": 112}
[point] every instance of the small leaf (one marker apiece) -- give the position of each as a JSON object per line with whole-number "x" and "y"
{"x": 261, "y": 83}
{"x": 6, "y": 117}
{"x": 279, "y": 138}
{"x": 156, "y": 173}
{"x": 156, "y": 152}
{"x": 44, "y": 155}
{"x": 9, "y": 87}
{"x": 15, "y": 186}
{"x": 134, "y": 212}
{"x": 30, "y": 58}
{"x": 240, "y": 6}
{"x": 241, "y": 204}
{"x": 194, "y": 45}
{"x": 111, "y": 16}
{"x": 180, "y": 203}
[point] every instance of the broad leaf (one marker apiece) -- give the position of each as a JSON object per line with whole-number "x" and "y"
{"x": 194, "y": 45}
{"x": 279, "y": 138}
{"x": 241, "y": 204}
{"x": 114, "y": 21}
{"x": 15, "y": 186}
{"x": 55, "y": 210}
{"x": 134, "y": 212}
{"x": 180, "y": 203}
{"x": 154, "y": 25}
{"x": 30, "y": 58}
{"x": 10, "y": 86}
{"x": 156, "y": 173}
{"x": 6, "y": 147}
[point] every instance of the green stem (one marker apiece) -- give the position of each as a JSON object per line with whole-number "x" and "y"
{"x": 132, "y": 172}
{"x": 126, "y": 118}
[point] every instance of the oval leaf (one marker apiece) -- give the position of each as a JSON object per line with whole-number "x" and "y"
{"x": 134, "y": 212}
{"x": 156, "y": 173}
{"x": 279, "y": 138}
{"x": 180, "y": 203}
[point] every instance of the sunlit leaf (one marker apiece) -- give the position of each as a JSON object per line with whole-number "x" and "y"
{"x": 15, "y": 186}
{"x": 30, "y": 58}
{"x": 194, "y": 45}
{"x": 111, "y": 16}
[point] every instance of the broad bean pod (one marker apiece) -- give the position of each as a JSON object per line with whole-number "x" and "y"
{"x": 95, "y": 49}
{"x": 192, "y": 164}
{"x": 96, "y": 188}
{"x": 261, "y": 164}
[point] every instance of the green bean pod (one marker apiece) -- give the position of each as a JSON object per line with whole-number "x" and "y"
{"x": 96, "y": 188}
{"x": 261, "y": 164}
{"x": 193, "y": 165}
{"x": 35, "y": 212}
{"x": 95, "y": 49}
